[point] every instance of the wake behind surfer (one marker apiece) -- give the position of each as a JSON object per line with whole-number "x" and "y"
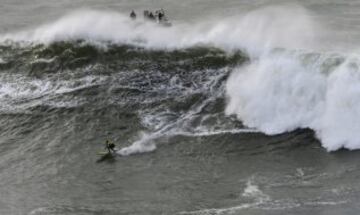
{"x": 110, "y": 146}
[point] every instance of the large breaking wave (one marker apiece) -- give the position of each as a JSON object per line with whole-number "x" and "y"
{"x": 284, "y": 91}
{"x": 285, "y": 84}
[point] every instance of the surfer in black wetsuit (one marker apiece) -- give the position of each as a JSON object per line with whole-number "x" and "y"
{"x": 160, "y": 14}
{"x": 133, "y": 15}
{"x": 151, "y": 16}
{"x": 110, "y": 146}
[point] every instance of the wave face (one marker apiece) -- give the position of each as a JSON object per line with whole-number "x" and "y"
{"x": 164, "y": 93}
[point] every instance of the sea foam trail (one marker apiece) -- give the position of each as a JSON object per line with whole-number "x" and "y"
{"x": 280, "y": 26}
{"x": 146, "y": 143}
{"x": 284, "y": 91}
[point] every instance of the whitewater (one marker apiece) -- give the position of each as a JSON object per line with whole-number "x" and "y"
{"x": 290, "y": 82}
{"x": 241, "y": 107}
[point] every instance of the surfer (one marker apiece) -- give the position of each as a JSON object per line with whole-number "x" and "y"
{"x": 160, "y": 14}
{"x": 146, "y": 14}
{"x": 110, "y": 146}
{"x": 159, "y": 17}
{"x": 133, "y": 14}
{"x": 151, "y": 16}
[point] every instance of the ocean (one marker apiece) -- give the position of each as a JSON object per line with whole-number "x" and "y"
{"x": 239, "y": 107}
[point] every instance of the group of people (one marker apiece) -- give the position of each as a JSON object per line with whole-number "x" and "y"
{"x": 158, "y": 15}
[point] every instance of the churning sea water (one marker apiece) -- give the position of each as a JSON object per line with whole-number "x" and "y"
{"x": 240, "y": 107}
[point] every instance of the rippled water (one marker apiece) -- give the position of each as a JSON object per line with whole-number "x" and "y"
{"x": 241, "y": 107}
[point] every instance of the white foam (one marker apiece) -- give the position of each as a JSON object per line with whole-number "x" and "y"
{"x": 213, "y": 133}
{"x": 251, "y": 190}
{"x": 21, "y": 92}
{"x": 339, "y": 122}
{"x": 274, "y": 26}
{"x": 281, "y": 92}
{"x": 143, "y": 145}
{"x": 274, "y": 94}
{"x": 163, "y": 123}
{"x": 147, "y": 142}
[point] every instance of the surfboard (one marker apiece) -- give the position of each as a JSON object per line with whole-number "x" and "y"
{"x": 106, "y": 153}
{"x": 103, "y": 153}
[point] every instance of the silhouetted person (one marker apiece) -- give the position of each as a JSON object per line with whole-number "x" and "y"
{"x": 110, "y": 146}
{"x": 133, "y": 15}
{"x": 151, "y": 16}
{"x": 161, "y": 16}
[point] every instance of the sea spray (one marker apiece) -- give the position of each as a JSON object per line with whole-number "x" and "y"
{"x": 275, "y": 26}
{"x": 275, "y": 94}
{"x": 339, "y": 124}
{"x": 281, "y": 92}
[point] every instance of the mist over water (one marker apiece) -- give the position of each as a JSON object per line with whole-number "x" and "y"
{"x": 239, "y": 107}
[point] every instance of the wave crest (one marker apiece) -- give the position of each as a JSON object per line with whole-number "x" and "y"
{"x": 284, "y": 91}
{"x": 274, "y": 26}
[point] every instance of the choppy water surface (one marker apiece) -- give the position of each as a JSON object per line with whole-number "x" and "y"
{"x": 238, "y": 108}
